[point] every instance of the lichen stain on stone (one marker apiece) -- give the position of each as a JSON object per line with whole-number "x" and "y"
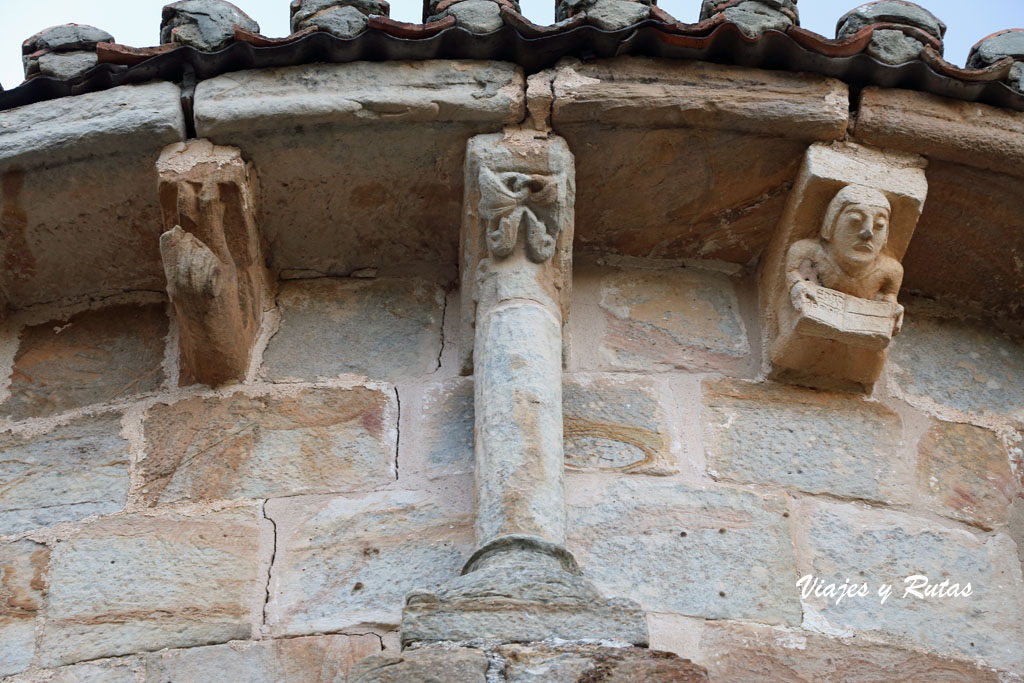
{"x": 577, "y": 429}
{"x": 18, "y": 260}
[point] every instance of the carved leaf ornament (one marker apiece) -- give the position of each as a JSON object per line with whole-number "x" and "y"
{"x": 510, "y": 201}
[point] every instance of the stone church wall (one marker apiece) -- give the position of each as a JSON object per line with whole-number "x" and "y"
{"x": 268, "y": 530}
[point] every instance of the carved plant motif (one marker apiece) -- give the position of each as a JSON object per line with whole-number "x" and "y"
{"x": 512, "y": 201}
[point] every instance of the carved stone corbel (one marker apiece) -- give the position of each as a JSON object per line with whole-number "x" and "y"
{"x": 831, "y": 275}
{"x": 212, "y": 259}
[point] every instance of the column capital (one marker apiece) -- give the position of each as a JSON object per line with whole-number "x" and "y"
{"x": 517, "y": 226}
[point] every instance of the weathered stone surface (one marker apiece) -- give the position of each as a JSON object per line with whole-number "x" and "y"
{"x": 754, "y": 17}
{"x": 969, "y": 250}
{"x": 609, "y": 422}
{"x": 950, "y": 130}
{"x": 306, "y": 12}
{"x": 360, "y": 92}
{"x": 345, "y": 561}
{"x": 963, "y": 472}
{"x": 615, "y": 423}
{"x": 643, "y": 92}
{"x": 66, "y": 65}
{"x": 613, "y": 15}
{"x": 542, "y": 663}
{"x": 659, "y": 537}
{"x": 76, "y": 128}
{"x": 430, "y": 665}
{"x": 343, "y": 22}
{"x": 206, "y": 25}
{"x": 518, "y": 424}
{"x": 1008, "y": 43}
{"x": 813, "y": 441}
{"x": 671, "y": 319}
{"x": 959, "y": 365}
{"x": 118, "y": 670}
{"x": 66, "y": 37}
{"x": 72, "y": 472}
{"x": 889, "y": 11}
{"x": 724, "y": 207}
{"x": 377, "y": 328}
{"x": 138, "y": 583}
{"x": 520, "y": 588}
{"x": 94, "y": 357}
{"x": 212, "y": 256}
{"x": 114, "y": 224}
{"x": 478, "y": 16}
{"x": 320, "y": 440}
{"x": 447, "y": 429}
{"x": 317, "y": 659}
{"x": 22, "y": 595}
{"x": 890, "y": 46}
{"x": 845, "y": 542}
{"x": 401, "y": 120}
{"x": 762, "y": 654}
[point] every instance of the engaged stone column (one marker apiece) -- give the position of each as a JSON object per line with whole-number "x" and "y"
{"x": 521, "y": 585}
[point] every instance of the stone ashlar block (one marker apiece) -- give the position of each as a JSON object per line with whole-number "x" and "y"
{"x": 840, "y": 542}
{"x": 72, "y": 472}
{"x": 963, "y": 472}
{"x": 94, "y": 357}
{"x": 320, "y": 440}
{"x": 656, "y": 93}
{"x": 119, "y": 670}
{"x": 346, "y": 561}
{"x": 97, "y": 152}
{"x": 449, "y": 664}
{"x": 139, "y": 583}
{"x": 615, "y": 423}
{"x": 671, "y": 319}
{"x": 763, "y": 654}
{"x": 813, "y": 441}
{"x": 658, "y": 541}
{"x": 325, "y": 659}
{"x": 22, "y": 595}
{"x": 586, "y": 662}
{"x": 447, "y": 428}
{"x": 407, "y": 120}
{"x": 959, "y": 365}
{"x": 376, "y": 328}
{"x": 609, "y": 423}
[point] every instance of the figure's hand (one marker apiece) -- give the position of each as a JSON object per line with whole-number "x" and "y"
{"x": 898, "y": 325}
{"x": 800, "y": 293}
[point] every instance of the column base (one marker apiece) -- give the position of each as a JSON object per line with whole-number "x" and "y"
{"x": 521, "y": 589}
{"x": 526, "y": 663}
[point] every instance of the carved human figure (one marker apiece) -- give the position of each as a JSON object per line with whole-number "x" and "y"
{"x": 847, "y": 254}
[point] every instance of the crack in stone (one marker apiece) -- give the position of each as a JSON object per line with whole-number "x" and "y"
{"x": 444, "y": 317}
{"x": 398, "y": 431}
{"x": 270, "y": 565}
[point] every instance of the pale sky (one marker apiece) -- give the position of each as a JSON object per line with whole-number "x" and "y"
{"x": 137, "y": 22}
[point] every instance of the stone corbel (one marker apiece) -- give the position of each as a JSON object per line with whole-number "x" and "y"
{"x": 212, "y": 259}
{"x": 831, "y": 275}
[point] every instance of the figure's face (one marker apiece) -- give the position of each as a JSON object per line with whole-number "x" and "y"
{"x": 860, "y": 233}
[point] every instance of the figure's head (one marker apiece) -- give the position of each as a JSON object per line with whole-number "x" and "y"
{"x": 856, "y": 226}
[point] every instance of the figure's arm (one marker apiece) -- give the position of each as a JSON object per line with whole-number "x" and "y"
{"x": 800, "y": 257}
{"x": 890, "y": 289}
{"x": 799, "y": 261}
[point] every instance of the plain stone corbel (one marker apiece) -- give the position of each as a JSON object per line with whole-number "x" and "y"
{"x": 212, "y": 259}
